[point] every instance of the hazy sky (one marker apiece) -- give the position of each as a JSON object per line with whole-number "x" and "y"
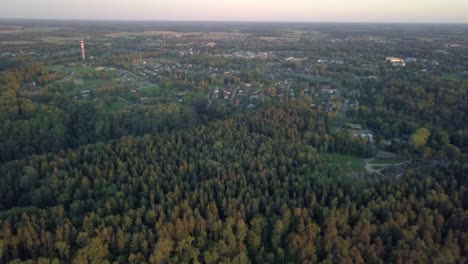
{"x": 242, "y": 10}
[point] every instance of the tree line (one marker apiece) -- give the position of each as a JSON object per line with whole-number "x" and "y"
{"x": 253, "y": 188}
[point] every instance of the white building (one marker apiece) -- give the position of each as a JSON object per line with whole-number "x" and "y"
{"x": 396, "y": 61}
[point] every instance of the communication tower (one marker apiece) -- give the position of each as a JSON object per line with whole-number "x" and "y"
{"x": 83, "y": 55}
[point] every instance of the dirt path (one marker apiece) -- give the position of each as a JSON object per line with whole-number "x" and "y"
{"x": 370, "y": 167}
{"x": 121, "y": 98}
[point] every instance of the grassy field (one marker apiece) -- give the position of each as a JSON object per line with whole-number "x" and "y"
{"x": 19, "y": 29}
{"x": 117, "y": 106}
{"x": 17, "y": 42}
{"x": 78, "y": 69}
{"x": 158, "y": 93}
{"x": 348, "y": 163}
{"x": 94, "y": 82}
{"x": 152, "y": 33}
{"x": 59, "y": 40}
{"x": 150, "y": 90}
{"x": 55, "y": 67}
{"x": 43, "y": 29}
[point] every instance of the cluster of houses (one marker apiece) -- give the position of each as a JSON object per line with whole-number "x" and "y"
{"x": 359, "y": 132}
{"x": 245, "y": 55}
{"x": 394, "y": 61}
{"x": 221, "y": 93}
{"x": 294, "y": 59}
{"x": 84, "y": 95}
{"x": 186, "y": 52}
{"x": 338, "y": 61}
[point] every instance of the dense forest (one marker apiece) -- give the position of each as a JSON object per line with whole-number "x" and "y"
{"x": 233, "y": 143}
{"x": 249, "y": 188}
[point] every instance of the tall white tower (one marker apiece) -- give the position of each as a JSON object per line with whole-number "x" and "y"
{"x": 83, "y": 55}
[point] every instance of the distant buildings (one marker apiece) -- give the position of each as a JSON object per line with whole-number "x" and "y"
{"x": 85, "y": 94}
{"x": 357, "y": 131}
{"x": 367, "y": 135}
{"x": 294, "y": 59}
{"x": 453, "y": 45}
{"x": 396, "y": 61}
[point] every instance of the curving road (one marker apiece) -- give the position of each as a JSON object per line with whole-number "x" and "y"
{"x": 370, "y": 167}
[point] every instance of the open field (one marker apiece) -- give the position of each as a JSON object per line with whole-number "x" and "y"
{"x": 118, "y": 105}
{"x": 348, "y": 163}
{"x": 149, "y": 33}
{"x": 94, "y": 82}
{"x": 150, "y": 90}
{"x": 47, "y": 40}
{"x": 211, "y": 35}
{"x": 59, "y": 40}
{"x": 42, "y": 29}
{"x": 78, "y": 69}
{"x": 359, "y": 165}
{"x": 18, "y": 29}
{"x": 17, "y": 42}
{"x": 10, "y": 29}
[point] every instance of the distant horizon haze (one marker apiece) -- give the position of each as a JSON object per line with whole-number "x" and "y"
{"x": 352, "y": 11}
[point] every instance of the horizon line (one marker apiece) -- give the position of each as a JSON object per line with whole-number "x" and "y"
{"x": 239, "y": 21}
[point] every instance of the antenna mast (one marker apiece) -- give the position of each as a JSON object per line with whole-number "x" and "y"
{"x": 83, "y": 55}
